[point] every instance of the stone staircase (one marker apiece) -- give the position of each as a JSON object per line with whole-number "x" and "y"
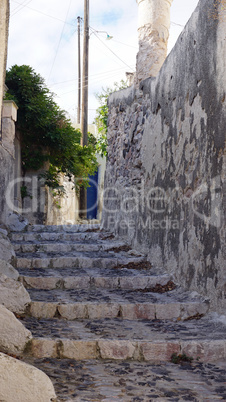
{"x": 95, "y": 298}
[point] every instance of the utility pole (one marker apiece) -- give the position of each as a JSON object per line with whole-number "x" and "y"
{"x": 79, "y": 75}
{"x": 85, "y": 74}
{"x": 85, "y": 81}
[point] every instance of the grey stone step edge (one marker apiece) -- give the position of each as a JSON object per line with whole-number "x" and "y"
{"x": 206, "y": 351}
{"x": 126, "y": 311}
{"x": 90, "y": 282}
{"x": 77, "y": 261}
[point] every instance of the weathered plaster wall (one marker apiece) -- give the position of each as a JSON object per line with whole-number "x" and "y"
{"x": 41, "y": 207}
{"x": 165, "y": 177}
{"x": 4, "y": 23}
{"x": 153, "y": 33}
{"x": 9, "y": 167}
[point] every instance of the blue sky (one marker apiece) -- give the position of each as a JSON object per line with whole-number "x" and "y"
{"x": 43, "y": 34}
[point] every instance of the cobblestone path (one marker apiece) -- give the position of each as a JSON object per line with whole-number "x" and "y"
{"x": 105, "y": 322}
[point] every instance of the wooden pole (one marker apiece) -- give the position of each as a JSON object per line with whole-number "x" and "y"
{"x": 84, "y": 117}
{"x": 85, "y": 80}
{"x": 79, "y": 75}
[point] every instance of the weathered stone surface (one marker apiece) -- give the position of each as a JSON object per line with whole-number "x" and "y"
{"x": 43, "y": 310}
{"x": 144, "y": 311}
{"x": 117, "y": 350}
{"x": 23, "y": 383}
{"x": 205, "y": 351}
{"x": 13, "y": 295}
{"x": 7, "y": 252}
{"x": 40, "y": 283}
{"x": 166, "y": 156}
{"x": 73, "y": 311}
{"x": 159, "y": 351}
{"x": 8, "y": 270}
{"x": 13, "y": 335}
{"x": 41, "y": 347}
{"x": 108, "y": 310}
{"x": 79, "y": 350}
{"x": 168, "y": 311}
{"x": 16, "y": 222}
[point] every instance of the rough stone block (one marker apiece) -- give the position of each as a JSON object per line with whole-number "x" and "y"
{"x": 117, "y": 350}
{"x": 43, "y": 310}
{"x": 168, "y": 311}
{"x": 40, "y": 283}
{"x": 13, "y": 295}
{"x": 77, "y": 282}
{"x": 105, "y": 282}
{"x": 73, "y": 311}
{"x": 79, "y": 350}
{"x": 43, "y": 347}
{"x": 143, "y": 311}
{"x": 97, "y": 311}
{"x": 158, "y": 351}
{"x": 13, "y": 335}
{"x": 8, "y": 270}
{"x": 23, "y": 383}
{"x": 205, "y": 351}
{"x": 7, "y": 252}
{"x": 193, "y": 308}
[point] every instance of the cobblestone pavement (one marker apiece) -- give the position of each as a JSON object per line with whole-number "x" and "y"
{"x": 135, "y": 381}
{"x": 95, "y": 299}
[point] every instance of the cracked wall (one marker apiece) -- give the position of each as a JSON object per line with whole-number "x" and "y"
{"x": 165, "y": 177}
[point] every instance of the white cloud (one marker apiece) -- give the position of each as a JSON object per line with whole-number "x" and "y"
{"x": 38, "y": 37}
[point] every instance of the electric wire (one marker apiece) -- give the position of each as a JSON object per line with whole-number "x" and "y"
{"x": 61, "y": 36}
{"x": 94, "y": 32}
{"x": 47, "y": 15}
{"x": 20, "y": 7}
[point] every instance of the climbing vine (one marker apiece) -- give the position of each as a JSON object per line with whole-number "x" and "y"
{"x": 102, "y": 115}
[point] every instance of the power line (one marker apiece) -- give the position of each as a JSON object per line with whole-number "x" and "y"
{"x": 61, "y": 36}
{"x": 20, "y": 7}
{"x": 94, "y": 32}
{"x": 46, "y": 15}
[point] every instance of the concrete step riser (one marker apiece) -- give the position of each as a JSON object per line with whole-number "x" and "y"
{"x": 90, "y": 282}
{"x": 66, "y": 248}
{"x": 126, "y": 311}
{"x": 154, "y": 352}
{"x": 64, "y": 228}
{"x": 76, "y": 262}
{"x": 56, "y": 237}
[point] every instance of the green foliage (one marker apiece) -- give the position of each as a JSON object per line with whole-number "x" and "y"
{"x": 24, "y": 193}
{"x": 102, "y": 116}
{"x": 46, "y": 133}
{"x": 176, "y": 359}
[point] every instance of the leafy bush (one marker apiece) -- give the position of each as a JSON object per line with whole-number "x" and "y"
{"x": 46, "y": 133}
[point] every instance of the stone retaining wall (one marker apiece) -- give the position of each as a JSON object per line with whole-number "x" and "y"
{"x": 165, "y": 177}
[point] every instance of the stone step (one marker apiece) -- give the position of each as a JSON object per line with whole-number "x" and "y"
{"x": 63, "y": 228}
{"x": 126, "y": 381}
{"x": 69, "y": 247}
{"x": 114, "y": 303}
{"x": 87, "y": 280}
{"x": 78, "y": 262}
{"x": 35, "y": 237}
{"x": 146, "y": 340}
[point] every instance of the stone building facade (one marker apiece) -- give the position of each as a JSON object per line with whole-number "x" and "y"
{"x": 165, "y": 176}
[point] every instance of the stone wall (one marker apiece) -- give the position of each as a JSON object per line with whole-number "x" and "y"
{"x": 40, "y": 206}
{"x": 165, "y": 177}
{"x": 9, "y": 162}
